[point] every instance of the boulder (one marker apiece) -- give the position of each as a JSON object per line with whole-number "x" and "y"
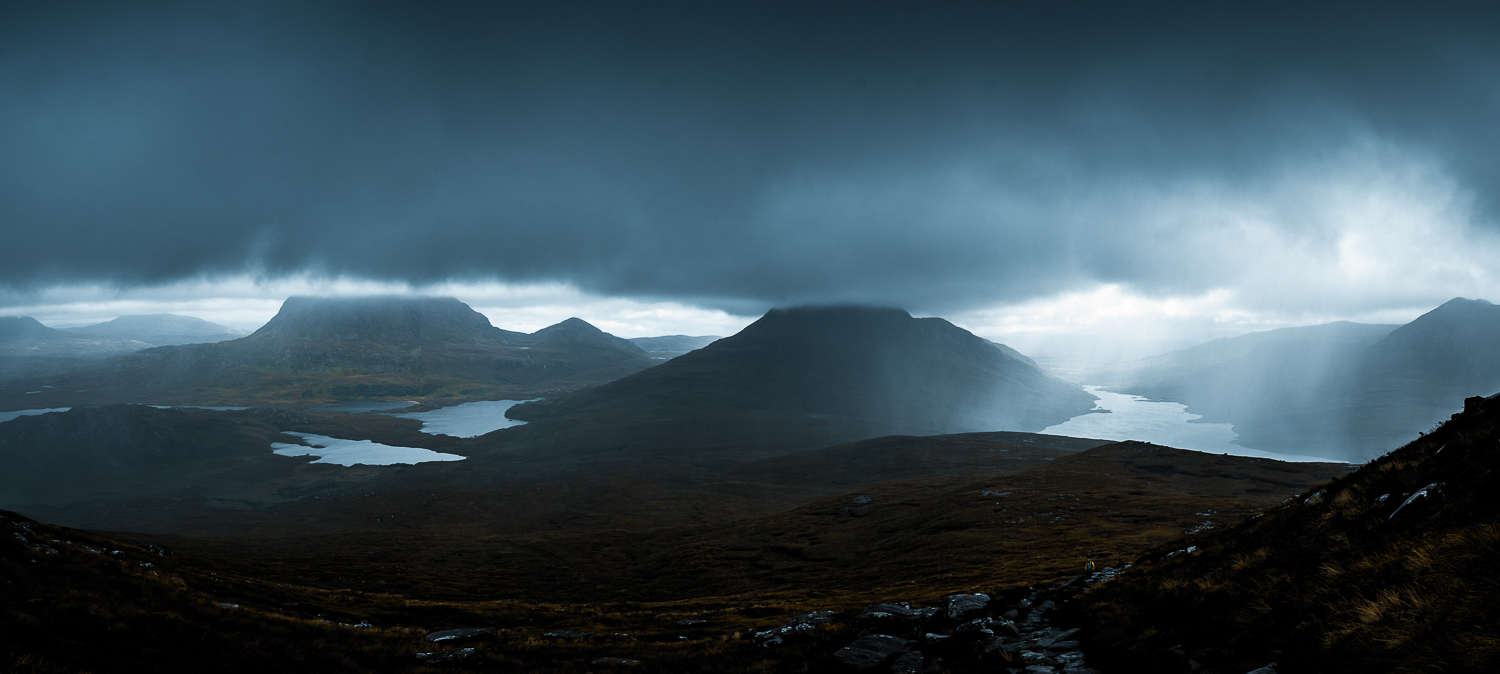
{"x": 960, "y": 606}
{"x": 1055, "y": 636}
{"x": 910, "y": 662}
{"x": 442, "y": 657}
{"x": 457, "y": 635}
{"x": 798, "y": 627}
{"x": 871, "y": 651}
{"x": 893, "y": 610}
{"x": 568, "y": 635}
{"x": 1425, "y": 497}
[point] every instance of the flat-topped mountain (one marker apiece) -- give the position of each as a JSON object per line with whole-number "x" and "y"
{"x": 401, "y": 322}
{"x": 807, "y": 377}
{"x": 159, "y": 330}
{"x": 331, "y": 348}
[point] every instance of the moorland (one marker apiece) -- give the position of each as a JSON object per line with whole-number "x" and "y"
{"x": 827, "y": 490}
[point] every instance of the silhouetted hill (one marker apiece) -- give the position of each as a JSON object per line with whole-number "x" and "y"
{"x": 1387, "y": 569}
{"x": 318, "y": 349}
{"x": 117, "y": 450}
{"x": 809, "y": 377}
{"x": 190, "y": 460}
{"x": 400, "y": 322}
{"x": 159, "y": 330}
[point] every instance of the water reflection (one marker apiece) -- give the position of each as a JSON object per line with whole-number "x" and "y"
{"x": 1130, "y": 417}
{"x": 469, "y": 419}
{"x": 353, "y": 452}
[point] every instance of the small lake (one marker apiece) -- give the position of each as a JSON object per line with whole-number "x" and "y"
{"x": 355, "y": 452}
{"x": 1131, "y": 417}
{"x": 467, "y": 420}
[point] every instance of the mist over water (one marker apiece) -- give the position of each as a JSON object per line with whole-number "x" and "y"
{"x": 1130, "y": 417}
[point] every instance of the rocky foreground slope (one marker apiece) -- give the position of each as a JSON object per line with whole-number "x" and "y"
{"x": 1387, "y": 569}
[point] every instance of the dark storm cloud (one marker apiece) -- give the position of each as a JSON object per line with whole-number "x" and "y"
{"x": 728, "y": 153}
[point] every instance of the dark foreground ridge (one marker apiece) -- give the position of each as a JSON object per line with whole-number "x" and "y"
{"x": 1387, "y": 569}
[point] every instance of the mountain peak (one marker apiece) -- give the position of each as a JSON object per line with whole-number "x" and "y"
{"x": 570, "y": 325}
{"x": 1461, "y": 305}
{"x": 804, "y": 376}
{"x": 1455, "y": 319}
{"x": 576, "y": 332}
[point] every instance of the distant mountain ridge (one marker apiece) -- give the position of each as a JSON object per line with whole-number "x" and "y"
{"x": 1342, "y": 390}
{"x": 400, "y": 322}
{"x": 330, "y": 348}
{"x": 28, "y": 348}
{"x": 812, "y": 376}
{"x": 160, "y": 329}
{"x": 672, "y": 346}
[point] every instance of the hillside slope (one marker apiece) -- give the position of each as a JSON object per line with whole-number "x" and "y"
{"x": 1387, "y": 569}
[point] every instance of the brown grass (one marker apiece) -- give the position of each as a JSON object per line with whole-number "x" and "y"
{"x": 1333, "y": 584}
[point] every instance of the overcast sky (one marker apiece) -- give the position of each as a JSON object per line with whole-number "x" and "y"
{"x": 661, "y": 167}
